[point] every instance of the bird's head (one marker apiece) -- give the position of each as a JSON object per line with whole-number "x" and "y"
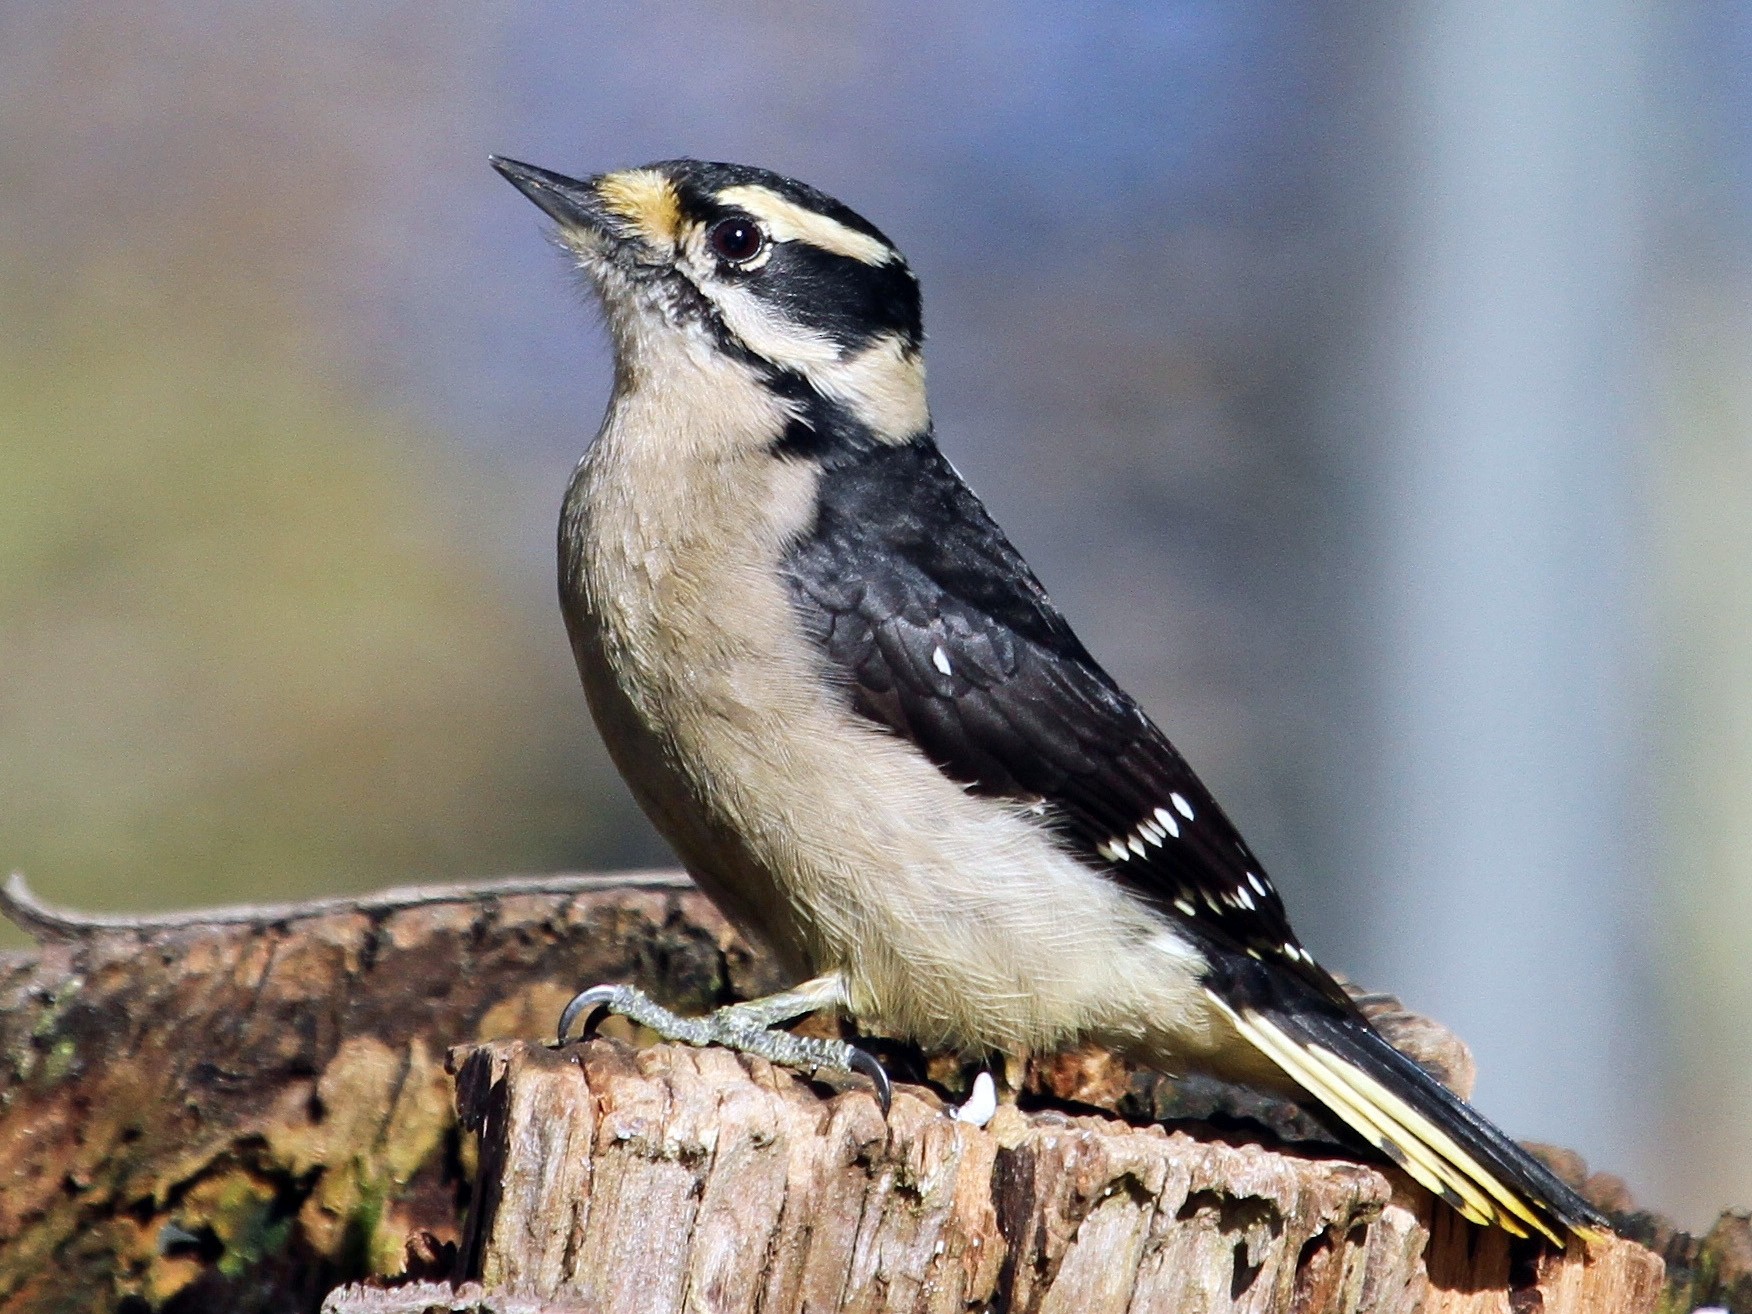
{"x": 741, "y": 262}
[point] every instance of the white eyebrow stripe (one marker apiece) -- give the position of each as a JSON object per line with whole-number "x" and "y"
{"x": 786, "y": 221}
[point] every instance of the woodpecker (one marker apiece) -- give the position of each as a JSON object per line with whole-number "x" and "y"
{"x": 845, "y": 700}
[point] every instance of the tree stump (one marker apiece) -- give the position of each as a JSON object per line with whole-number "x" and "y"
{"x": 238, "y": 1110}
{"x": 249, "y": 1110}
{"x": 675, "y": 1179}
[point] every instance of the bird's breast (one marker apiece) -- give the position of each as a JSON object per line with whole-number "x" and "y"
{"x": 955, "y": 918}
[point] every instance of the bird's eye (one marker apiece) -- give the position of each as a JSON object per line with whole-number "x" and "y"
{"x": 736, "y": 239}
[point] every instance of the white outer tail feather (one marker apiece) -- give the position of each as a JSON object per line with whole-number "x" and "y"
{"x": 1386, "y": 1121}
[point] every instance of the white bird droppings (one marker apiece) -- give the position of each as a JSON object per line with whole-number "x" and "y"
{"x": 982, "y": 1102}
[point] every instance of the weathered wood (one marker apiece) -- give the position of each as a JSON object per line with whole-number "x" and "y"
{"x": 677, "y": 1179}
{"x": 238, "y": 1110}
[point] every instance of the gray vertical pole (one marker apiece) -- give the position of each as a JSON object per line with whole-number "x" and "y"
{"x": 1507, "y": 814}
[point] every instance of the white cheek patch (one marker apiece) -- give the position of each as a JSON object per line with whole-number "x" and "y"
{"x": 767, "y": 334}
{"x": 786, "y": 221}
{"x": 883, "y": 385}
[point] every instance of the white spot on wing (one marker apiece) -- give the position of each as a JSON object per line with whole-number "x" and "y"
{"x": 1181, "y": 806}
{"x": 1257, "y": 884}
{"x": 940, "y": 660}
{"x": 1166, "y": 819}
{"x": 1167, "y": 942}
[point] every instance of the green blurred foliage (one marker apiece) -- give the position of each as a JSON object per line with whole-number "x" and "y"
{"x": 260, "y": 634}
{"x": 253, "y": 638}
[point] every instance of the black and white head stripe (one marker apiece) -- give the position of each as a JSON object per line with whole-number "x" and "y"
{"x": 939, "y": 630}
{"x": 803, "y": 289}
{"x": 758, "y": 246}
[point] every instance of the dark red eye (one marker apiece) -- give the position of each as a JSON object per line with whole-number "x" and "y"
{"x": 736, "y": 239}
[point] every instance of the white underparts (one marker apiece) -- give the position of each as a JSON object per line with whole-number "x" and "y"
{"x": 953, "y": 917}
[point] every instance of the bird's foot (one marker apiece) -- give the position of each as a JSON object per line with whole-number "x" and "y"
{"x": 749, "y": 1028}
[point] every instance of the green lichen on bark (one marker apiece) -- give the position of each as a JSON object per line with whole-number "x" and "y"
{"x": 239, "y": 1112}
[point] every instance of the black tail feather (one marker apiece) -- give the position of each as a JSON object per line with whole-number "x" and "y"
{"x": 1356, "y": 1042}
{"x": 1396, "y": 1105}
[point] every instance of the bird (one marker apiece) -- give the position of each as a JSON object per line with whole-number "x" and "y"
{"x": 849, "y": 705}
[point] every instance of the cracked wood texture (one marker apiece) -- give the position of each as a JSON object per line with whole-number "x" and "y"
{"x": 237, "y": 1110}
{"x": 245, "y": 1109}
{"x": 677, "y": 1179}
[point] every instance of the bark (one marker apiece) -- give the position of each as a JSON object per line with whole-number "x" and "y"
{"x": 674, "y": 1179}
{"x": 245, "y": 1110}
{"x": 236, "y": 1111}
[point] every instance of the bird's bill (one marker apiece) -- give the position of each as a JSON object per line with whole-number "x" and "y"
{"x": 570, "y": 202}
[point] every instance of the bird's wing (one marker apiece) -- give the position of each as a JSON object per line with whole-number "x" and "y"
{"x": 940, "y": 632}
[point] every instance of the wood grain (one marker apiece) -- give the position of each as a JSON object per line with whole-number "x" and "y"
{"x": 673, "y": 1179}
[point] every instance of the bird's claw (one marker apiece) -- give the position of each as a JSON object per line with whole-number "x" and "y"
{"x": 746, "y": 1028}
{"x": 863, "y": 1061}
{"x": 595, "y": 1002}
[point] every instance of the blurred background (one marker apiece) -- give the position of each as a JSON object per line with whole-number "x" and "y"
{"x": 1372, "y": 386}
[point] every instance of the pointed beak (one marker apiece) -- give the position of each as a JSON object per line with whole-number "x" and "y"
{"x": 571, "y": 203}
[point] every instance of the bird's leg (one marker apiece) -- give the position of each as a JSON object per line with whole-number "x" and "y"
{"x": 749, "y": 1028}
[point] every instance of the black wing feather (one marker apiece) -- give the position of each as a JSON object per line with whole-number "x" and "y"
{"x": 941, "y": 633}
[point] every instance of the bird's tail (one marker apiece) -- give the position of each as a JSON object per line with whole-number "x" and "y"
{"x": 1421, "y": 1125}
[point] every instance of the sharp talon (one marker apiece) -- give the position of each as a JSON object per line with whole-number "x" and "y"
{"x": 867, "y": 1064}
{"x": 594, "y": 1000}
